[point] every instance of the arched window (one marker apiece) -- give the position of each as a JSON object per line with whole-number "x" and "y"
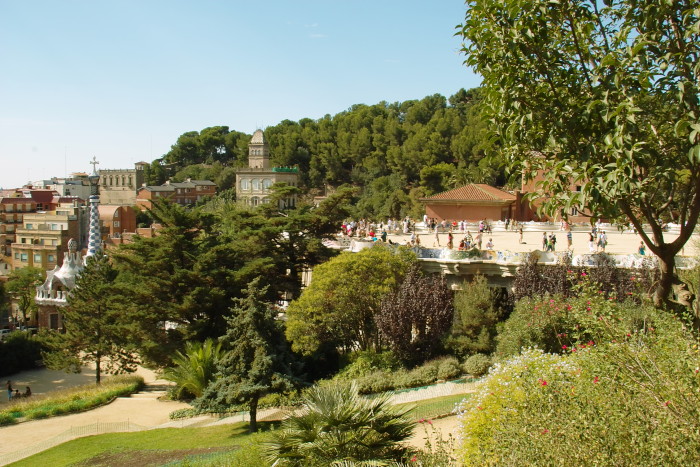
{"x": 266, "y": 184}
{"x": 256, "y": 184}
{"x": 245, "y": 184}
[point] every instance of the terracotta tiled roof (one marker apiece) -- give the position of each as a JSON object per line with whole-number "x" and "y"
{"x": 471, "y": 193}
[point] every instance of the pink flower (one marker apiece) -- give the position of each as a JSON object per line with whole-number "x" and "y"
{"x": 564, "y": 347}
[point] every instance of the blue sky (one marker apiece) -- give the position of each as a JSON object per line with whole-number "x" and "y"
{"x": 121, "y": 80}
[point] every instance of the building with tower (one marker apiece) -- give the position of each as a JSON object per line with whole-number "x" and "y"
{"x": 253, "y": 182}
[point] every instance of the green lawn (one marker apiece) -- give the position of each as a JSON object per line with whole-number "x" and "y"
{"x": 152, "y": 447}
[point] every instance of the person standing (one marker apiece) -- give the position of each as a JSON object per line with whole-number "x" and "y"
{"x": 450, "y": 240}
{"x": 569, "y": 239}
{"x": 591, "y": 242}
{"x": 479, "y": 238}
{"x": 9, "y": 390}
{"x": 544, "y": 241}
{"x": 520, "y": 241}
{"x": 642, "y": 248}
{"x": 437, "y": 237}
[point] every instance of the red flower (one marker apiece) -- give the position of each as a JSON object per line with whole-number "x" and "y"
{"x": 564, "y": 347}
{"x": 542, "y": 382}
{"x": 545, "y": 431}
{"x": 595, "y": 380}
{"x": 591, "y": 343}
{"x": 414, "y": 459}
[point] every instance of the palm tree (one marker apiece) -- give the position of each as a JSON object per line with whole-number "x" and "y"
{"x": 193, "y": 370}
{"x": 336, "y": 425}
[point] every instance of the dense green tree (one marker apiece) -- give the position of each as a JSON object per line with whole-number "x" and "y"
{"x": 340, "y": 304}
{"x": 21, "y": 286}
{"x": 181, "y": 276}
{"x": 604, "y": 95}
{"x": 257, "y": 361}
{"x": 415, "y": 317}
{"x": 336, "y": 425}
{"x": 97, "y": 328}
{"x": 477, "y": 311}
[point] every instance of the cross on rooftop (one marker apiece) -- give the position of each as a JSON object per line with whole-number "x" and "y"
{"x": 94, "y": 163}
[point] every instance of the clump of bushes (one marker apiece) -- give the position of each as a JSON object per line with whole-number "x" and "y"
{"x": 428, "y": 373}
{"x": 477, "y": 365}
{"x": 625, "y": 389}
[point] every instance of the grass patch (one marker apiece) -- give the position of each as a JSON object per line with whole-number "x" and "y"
{"x": 71, "y": 400}
{"x": 437, "y": 407}
{"x": 216, "y": 445}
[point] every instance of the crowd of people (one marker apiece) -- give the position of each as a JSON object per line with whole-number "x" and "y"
{"x": 467, "y": 235}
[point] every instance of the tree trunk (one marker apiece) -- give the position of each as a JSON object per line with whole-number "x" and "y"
{"x": 667, "y": 264}
{"x": 254, "y": 414}
{"x": 98, "y": 370}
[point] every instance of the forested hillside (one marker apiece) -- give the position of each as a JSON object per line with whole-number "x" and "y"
{"x": 396, "y": 153}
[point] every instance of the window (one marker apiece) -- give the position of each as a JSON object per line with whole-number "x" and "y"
{"x": 23, "y": 257}
{"x": 245, "y": 184}
{"x": 37, "y": 258}
{"x": 51, "y": 259}
{"x": 266, "y": 184}
{"x": 574, "y": 211}
{"x": 116, "y": 224}
{"x": 256, "y": 184}
{"x": 30, "y": 226}
{"x": 16, "y": 255}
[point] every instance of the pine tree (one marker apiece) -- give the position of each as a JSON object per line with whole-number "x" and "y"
{"x": 257, "y": 361}
{"x": 96, "y": 328}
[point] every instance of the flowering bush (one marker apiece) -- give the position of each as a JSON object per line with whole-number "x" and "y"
{"x": 629, "y": 397}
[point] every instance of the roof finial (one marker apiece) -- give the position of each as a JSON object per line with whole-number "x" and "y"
{"x": 94, "y": 163}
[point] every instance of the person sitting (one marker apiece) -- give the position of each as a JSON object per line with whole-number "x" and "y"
{"x": 27, "y": 392}
{"x": 462, "y": 245}
{"x": 489, "y": 244}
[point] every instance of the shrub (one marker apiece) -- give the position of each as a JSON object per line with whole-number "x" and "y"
{"x": 365, "y": 362}
{"x": 419, "y": 376}
{"x": 18, "y": 352}
{"x": 632, "y": 397}
{"x": 194, "y": 369}
{"x": 338, "y": 424}
{"x": 477, "y": 365}
{"x": 477, "y": 310}
{"x": 448, "y": 368}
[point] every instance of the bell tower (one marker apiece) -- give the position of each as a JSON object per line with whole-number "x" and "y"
{"x": 258, "y": 152}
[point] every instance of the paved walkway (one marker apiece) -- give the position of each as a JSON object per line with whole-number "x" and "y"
{"x": 618, "y": 243}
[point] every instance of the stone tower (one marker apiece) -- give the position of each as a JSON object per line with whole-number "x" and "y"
{"x": 258, "y": 152}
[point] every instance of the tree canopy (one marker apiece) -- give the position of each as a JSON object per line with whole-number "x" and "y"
{"x": 345, "y": 295}
{"x": 394, "y": 153}
{"x": 601, "y": 95}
